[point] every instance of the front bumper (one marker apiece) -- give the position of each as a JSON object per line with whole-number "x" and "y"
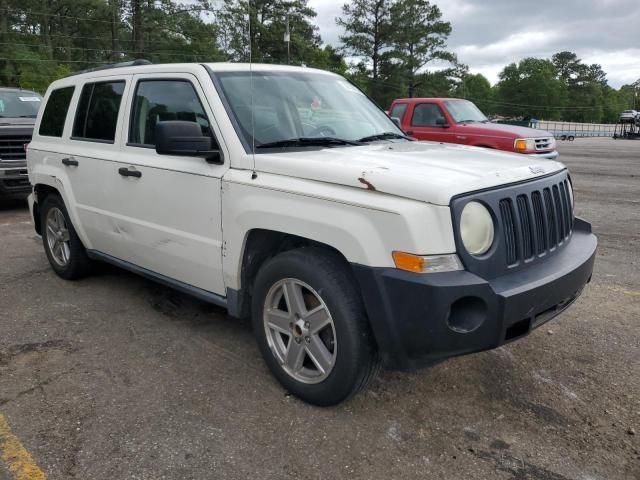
{"x": 14, "y": 181}
{"x": 420, "y": 319}
{"x": 546, "y": 155}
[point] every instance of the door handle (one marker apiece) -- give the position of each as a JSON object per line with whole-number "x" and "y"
{"x": 69, "y": 162}
{"x": 129, "y": 172}
{"x": 409, "y": 132}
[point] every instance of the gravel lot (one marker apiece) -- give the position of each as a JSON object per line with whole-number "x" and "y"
{"x": 115, "y": 377}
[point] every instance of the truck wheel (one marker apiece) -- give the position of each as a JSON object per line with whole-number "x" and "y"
{"x": 311, "y": 326}
{"x": 64, "y": 249}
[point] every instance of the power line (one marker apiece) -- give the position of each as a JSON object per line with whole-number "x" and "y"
{"x": 155, "y": 52}
{"x": 87, "y": 19}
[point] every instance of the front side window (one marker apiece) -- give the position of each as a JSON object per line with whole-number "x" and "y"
{"x": 464, "y": 111}
{"x": 268, "y": 107}
{"x": 398, "y": 111}
{"x": 55, "y": 112}
{"x": 97, "y": 113}
{"x": 161, "y": 100}
{"x": 427, "y": 115}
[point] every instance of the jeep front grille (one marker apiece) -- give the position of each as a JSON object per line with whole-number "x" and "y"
{"x": 536, "y": 222}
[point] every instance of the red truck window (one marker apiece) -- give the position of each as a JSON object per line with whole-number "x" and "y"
{"x": 397, "y": 111}
{"x": 427, "y": 115}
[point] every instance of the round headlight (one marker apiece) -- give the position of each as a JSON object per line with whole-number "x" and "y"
{"x": 476, "y": 228}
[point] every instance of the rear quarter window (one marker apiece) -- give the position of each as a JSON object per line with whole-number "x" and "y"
{"x": 55, "y": 112}
{"x": 97, "y": 112}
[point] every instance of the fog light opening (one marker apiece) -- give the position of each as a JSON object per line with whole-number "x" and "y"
{"x": 467, "y": 314}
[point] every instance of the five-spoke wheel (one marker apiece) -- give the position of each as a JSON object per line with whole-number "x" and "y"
{"x": 300, "y": 330}
{"x": 57, "y": 236}
{"x": 311, "y": 325}
{"x": 64, "y": 249}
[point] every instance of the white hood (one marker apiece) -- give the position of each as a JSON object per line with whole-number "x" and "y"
{"x": 425, "y": 171}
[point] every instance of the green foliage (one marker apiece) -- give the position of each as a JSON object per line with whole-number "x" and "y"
{"x": 419, "y": 37}
{"x": 268, "y": 27}
{"x": 531, "y": 88}
{"x": 397, "y": 44}
{"x": 476, "y": 88}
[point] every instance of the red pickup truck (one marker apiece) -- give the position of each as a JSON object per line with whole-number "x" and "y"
{"x": 453, "y": 120}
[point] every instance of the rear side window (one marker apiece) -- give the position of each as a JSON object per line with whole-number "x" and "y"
{"x": 160, "y": 100}
{"x": 398, "y": 111}
{"x": 97, "y": 113}
{"x": 427, "y": 115}
{"x": 55, "y": 112}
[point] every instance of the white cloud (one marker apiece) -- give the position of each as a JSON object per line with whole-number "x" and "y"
{"x": 489, "y": 34}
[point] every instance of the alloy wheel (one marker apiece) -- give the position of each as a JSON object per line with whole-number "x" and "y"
{"x": 300, "y": 330}
{"x": 58, "y": 236}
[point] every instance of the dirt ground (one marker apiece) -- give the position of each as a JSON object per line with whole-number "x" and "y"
{"x": 115, "y": 377}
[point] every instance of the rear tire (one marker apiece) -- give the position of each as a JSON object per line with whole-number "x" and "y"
{"x": 65, "y": 251}
{"x": 321, "y": 366}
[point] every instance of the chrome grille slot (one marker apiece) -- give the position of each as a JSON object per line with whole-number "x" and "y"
{"x": 508, "y": 222}
{"x": 543, "y": 143}
{"x": 525, "y": 226}
{"x": 551, "y": 219}
{"x": 538, "y": 215}
{"x": 559, "y": 213}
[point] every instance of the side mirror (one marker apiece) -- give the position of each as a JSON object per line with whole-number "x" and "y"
{"x": 442, "y": 122}
{"x": 396, "y": 121}
{"x": 178, "y": 137}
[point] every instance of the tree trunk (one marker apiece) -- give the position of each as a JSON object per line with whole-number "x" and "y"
{"x": 138, "y": 34}
{"x": 115, "y": 26}
{"x": 5, "y": 75}
{"x": 45, "y": 29}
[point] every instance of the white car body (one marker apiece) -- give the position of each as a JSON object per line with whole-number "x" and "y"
{"x": 412, "y": 181}
{"x": 195, "y": 224}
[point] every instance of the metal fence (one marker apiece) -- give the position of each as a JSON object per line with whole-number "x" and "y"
{"x": 566, "y": 130}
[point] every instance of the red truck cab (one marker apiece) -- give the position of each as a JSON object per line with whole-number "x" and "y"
{"x": 454, "y": 120}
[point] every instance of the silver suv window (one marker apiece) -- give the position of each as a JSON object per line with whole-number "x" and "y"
{"x": 97, "y": 112}
{"x": 55, "y": 112}
{"x": 160, "y": 100}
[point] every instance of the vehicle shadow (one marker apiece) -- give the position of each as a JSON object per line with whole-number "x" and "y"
{"x": 10, "y": 204}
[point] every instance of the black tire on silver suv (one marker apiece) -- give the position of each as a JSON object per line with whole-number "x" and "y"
{"x": 311, "y": 326}
{"x": 65, "y": 251}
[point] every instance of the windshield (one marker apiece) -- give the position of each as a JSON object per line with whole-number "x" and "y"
{"x": 465, "y": 111}
{"x": 19, "y": 104}
{"x": 294, "y": 105}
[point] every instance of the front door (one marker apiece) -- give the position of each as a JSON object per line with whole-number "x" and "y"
{"x": 428, "y": 122}
{"x": 166, "y": 209}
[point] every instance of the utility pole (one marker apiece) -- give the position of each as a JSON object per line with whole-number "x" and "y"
{"x": 287, "y": 39}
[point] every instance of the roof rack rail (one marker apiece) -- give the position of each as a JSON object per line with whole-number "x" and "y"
{"x": 132, "y": 63}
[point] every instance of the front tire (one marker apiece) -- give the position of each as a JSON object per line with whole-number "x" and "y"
{"x": 65, "y": 251}
{"x": 311, "y": 326}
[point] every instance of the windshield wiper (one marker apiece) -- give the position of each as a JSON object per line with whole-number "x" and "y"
{"x": 308, "y": 142}
{"x": 383, "y": 136}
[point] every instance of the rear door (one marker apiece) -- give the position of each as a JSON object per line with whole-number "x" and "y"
{"x": 166, "y": 209}
{"x": 429, "y": 122}
{"x": 91, "y": 149}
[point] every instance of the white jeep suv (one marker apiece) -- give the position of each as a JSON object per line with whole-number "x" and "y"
{"x": 284, "y": 193}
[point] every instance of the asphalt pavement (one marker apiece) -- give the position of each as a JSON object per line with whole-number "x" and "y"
{"x": 115, "y": 377}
